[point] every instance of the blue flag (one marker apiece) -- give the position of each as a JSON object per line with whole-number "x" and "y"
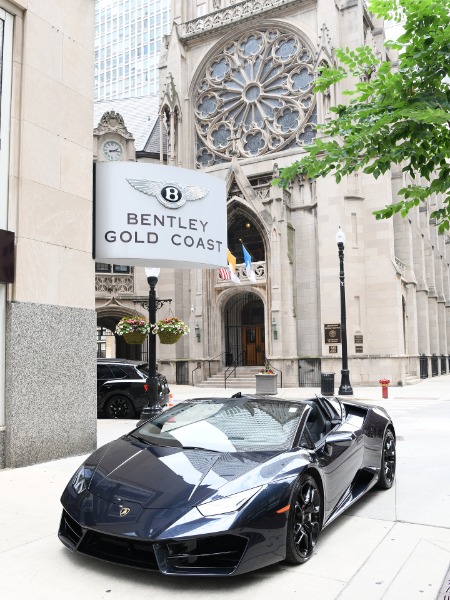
{"x": 248, "y": 265}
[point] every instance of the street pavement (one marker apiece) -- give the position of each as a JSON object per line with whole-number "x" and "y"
{"x": 391, "y": 545}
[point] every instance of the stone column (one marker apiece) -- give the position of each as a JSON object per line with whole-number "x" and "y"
{"x": 423, "y": 326}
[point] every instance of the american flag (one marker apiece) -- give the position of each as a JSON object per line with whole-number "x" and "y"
{"x": 224, "y": 273}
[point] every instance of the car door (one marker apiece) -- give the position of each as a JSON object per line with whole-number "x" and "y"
{"x": 340, "y": 454}
{"x": 103, "y": 375}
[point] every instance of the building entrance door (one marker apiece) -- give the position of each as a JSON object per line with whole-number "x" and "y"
{"x": 244, "y": 331}
{"x": 253, "y": 344}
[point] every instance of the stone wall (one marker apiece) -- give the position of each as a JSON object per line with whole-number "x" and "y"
{"x": 50, "y": 383}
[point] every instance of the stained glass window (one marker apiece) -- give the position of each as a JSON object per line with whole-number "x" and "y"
{"x": 255, "y": 97}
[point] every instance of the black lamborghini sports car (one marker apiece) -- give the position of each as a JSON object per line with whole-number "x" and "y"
{"x": 222, "y": 486}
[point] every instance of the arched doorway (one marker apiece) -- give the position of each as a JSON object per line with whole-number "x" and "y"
{"x": 244, "y": 330}
{"x": 118, "y": 348}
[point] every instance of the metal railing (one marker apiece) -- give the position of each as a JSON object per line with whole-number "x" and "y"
{"x": 199, "y": 366}
{"x": 208, "y": 360}
{"x": 267, "y": 362}
{"x": 232, "y": 368}
{"x": 309, "y": 372}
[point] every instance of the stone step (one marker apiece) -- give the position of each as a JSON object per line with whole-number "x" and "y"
{"x": 221, "y": 380}
{"x": 219, "y": 376}
{"x": 412, "y": 380}
{"x": 244, "y": 378}
{"x": 234, "y": 385}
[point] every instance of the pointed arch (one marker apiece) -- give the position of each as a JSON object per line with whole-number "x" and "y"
{"x": 245, "y": 227}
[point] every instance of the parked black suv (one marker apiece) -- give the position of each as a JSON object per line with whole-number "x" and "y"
{"x": 122, "y": 387}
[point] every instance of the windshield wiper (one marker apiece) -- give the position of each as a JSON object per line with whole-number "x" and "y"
{"x": 200, "y": 448}
{"x": 141, "y": 439}
{"x": 155, "y": 441}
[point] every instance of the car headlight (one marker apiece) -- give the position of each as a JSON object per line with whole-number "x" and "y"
{"x": 80, "y": 480}
{"x": 227, "y": 505}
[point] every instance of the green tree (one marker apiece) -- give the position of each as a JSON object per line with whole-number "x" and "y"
{"x": 395, "y": 116}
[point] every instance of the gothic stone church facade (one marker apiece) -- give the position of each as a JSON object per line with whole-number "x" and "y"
{"x": 237, "y": 103}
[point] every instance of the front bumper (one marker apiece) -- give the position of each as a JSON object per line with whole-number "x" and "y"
{"x": 217, "y": 555}
{"x": 175, "y": 544}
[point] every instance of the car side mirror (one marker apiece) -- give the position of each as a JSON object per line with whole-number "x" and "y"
{"x": 340, "y": 437}
{"x": 337, "y": 438}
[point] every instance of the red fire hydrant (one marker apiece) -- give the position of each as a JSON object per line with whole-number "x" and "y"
{"x": 384, "y": 387}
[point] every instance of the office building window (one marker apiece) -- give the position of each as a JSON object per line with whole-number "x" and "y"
{"x": 124, "y": 27}
{"x": 106, "y": 268}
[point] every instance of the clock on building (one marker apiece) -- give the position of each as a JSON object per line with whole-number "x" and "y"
{"x": 112, "y": 150}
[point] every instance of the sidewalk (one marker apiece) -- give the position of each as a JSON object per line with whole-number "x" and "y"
{"x": 438, "y": 388}
{"x": 391, "y": 545}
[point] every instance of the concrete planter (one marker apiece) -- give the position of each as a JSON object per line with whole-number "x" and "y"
{"x": 266, "y": 384}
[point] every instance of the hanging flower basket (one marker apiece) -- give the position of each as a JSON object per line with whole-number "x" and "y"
{"x": 135, "y": 338}
{"x": 170, "y": 330}
{"x": 134, "y": 329}
{"x": 166, "y": 337}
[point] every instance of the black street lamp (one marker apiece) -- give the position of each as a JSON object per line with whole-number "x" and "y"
{"x": 345, "y": 388}
{"x": 153, "y": 408}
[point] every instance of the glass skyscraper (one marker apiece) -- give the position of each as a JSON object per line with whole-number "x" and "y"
{"x": 128, "y": 37}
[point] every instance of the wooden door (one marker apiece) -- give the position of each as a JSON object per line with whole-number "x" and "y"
{"x": 253, "y": 344}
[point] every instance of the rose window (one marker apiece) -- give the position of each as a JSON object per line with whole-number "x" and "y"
{"x": 255, "y": 97}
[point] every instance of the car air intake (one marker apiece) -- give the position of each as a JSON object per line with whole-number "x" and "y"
{"x": 215, "y": 555}
{"x": 124, "y": 551}
{"x": 70, "y": 533}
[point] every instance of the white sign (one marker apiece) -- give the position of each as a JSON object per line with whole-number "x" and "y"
{"x": 154, "y": 215}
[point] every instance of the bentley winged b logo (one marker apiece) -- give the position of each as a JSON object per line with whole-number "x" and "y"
{"x": 170, "y": 195}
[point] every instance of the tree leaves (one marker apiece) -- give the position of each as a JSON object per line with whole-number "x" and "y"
{"x": 394, "y": 116}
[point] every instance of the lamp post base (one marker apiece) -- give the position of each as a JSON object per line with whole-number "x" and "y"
{"x": 153, "y": 407}
{"x": 345, "y": 389}
{"x": 148, "y": 412}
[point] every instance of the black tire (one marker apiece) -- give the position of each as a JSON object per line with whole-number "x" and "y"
{"x": 388, "y": 462}
{"x": 304, "y": 522}
{"x": 119, "y": 407}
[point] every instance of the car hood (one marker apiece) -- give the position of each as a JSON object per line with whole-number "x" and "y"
{"x": 165, "y": 477}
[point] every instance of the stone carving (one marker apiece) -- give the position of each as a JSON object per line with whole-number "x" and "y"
{"x": 255, "y": 97}
{"x": 259, "y": 269}
{"x": 112, "y": 122}
{"x": 114, "y": 284}
{"x": 262, "y": 187}
{"x": 325, "y": 42}
{"x": 237, "y": 11}
{"x": 170, "y": 116}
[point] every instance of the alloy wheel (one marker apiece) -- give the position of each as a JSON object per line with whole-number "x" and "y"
{"x": 120, "y": 407}
{"x": 306, "y": 518}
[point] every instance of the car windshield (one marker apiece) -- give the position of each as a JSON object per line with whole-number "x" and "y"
{"x": 234, "y": 425}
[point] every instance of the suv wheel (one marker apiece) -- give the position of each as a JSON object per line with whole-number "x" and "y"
{"x": 119, "y": 407}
